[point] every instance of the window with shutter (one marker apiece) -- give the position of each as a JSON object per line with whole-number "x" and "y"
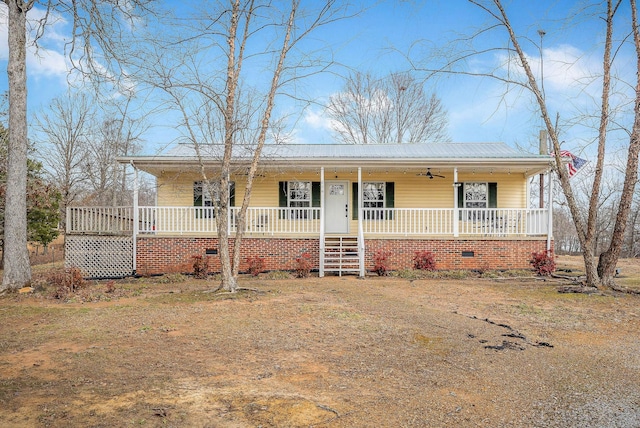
{"x": 298, "y": 194}
{"x": 204, "y": 197}
{"x": 375, "y": 194}
{"x": 477, "y": 195}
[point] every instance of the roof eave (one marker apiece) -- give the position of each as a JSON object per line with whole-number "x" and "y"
{"x": 533, "y": 165}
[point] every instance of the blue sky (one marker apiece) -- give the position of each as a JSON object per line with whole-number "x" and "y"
{"x": 380, "y": 40}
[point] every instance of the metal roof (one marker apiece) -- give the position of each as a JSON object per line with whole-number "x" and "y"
{"x": 445, "y": 155}
{"x": 368, "y": 151}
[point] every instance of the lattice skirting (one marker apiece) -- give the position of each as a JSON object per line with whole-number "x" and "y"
{"x": 100, "y": 256}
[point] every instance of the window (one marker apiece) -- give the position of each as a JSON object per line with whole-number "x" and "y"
{"x": 375, "y": 194}
{"x": 205, "y": 197}
{"x": 301, "y": 195}
{"x": 477, "y": 196}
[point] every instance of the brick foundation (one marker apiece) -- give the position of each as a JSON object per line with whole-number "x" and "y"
{"x": 157, "y": 255}
{"x": 448, "y": 253}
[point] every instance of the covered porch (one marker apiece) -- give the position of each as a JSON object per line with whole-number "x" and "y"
{"x": 338, "y": 197}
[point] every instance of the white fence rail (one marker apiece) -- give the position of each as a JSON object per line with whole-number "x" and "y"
{"x": 275, "y": 221}
{"x": 258, "y": 220}
{"x": 280, "y": 220}
{"x": 100, "y": 220}
{"x": 407, "y": 221}
{"x": 435, "y": 221}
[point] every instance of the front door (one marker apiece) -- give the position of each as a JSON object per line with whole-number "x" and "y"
{"x": 336, "y": 202}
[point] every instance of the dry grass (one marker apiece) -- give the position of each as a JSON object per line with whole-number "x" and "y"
{"x": 330, "y": 352}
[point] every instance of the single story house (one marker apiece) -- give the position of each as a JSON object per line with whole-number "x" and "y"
{"x": 466, "y": 203}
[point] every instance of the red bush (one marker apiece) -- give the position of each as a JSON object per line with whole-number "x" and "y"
{"x": 380, "y": 262}
{"x": 256, "y": 265}
{"x": 303, "y": 265}
{"x": 200, "y": 266}
{"x": 424, "y": 260}
{"x": 543, "y": 263}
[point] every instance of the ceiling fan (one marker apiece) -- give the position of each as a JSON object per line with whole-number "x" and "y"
{"x": 429, "y": 175}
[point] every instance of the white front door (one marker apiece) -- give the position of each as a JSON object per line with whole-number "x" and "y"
{"x": 336, "y": 206}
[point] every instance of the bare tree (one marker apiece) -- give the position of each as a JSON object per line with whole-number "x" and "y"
{"x": 97, "y": 25}
{"x": 394, "y": 109}
{"x": 64, "y": 135}
{"x": 221, "y": 108}
{"x": 603, "y": 272}
{"x": 118, "y": 134}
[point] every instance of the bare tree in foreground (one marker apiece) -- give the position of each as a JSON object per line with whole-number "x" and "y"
{"x": 603, "y": 272}
{"x": 17, "y": 271}
{"x": 96, "y": 25}
{"x": 394, "y": 109}
{"x": 231, "y": 108}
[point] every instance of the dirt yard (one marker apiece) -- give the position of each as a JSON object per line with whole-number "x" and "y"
{"x": 330, "y": 352}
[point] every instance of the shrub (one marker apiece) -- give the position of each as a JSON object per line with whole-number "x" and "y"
{"x": 543, "y": 263}
{"x": 303, "y": 266}
{"x": 424, "y": 260}
{"x": 278, "y": 274}
{"x": 453, "y": 274}
{"x": 70, "y": 278}
{"x": 170, "y": 278}
{"x": 200, "y": 266}
{"x": 256, "y": 265}
{"x": 380, "y": 262}
{"x": 410, "y": 274}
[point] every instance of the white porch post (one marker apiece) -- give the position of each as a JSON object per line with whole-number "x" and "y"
{"x": 322, "y": 217}
{"x": 550, "y": 213}
{"x": 456, "y": 189}
{"x": 135, "y": 215}
{"x": 361, "y": 247}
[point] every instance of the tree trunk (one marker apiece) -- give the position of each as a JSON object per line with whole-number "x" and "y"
{"x": 17, "y": 270}
{"x": 609, "y": 259}
{"x": 229, "y": 272}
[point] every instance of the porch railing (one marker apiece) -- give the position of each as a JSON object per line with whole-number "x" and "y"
{"x": 440, "y": 221}
{"x": 258, "y": 220}
{"x": 275, "y": 221}
{"x": 100, "y": 220}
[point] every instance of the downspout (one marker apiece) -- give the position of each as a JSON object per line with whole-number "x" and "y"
{"x": 456, "y": 216}
{"x": 322, "y": 217}
{"x": 550, "y": 213}
{"x": 361, "y": 247}
{"x": 135, "y": 216}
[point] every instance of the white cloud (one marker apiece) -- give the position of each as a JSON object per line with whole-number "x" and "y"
{"x": 47, "y": 59}
{"x": 316, "y": 120}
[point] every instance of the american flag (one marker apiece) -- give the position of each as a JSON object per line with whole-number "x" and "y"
{"x": 574, "y": 164}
